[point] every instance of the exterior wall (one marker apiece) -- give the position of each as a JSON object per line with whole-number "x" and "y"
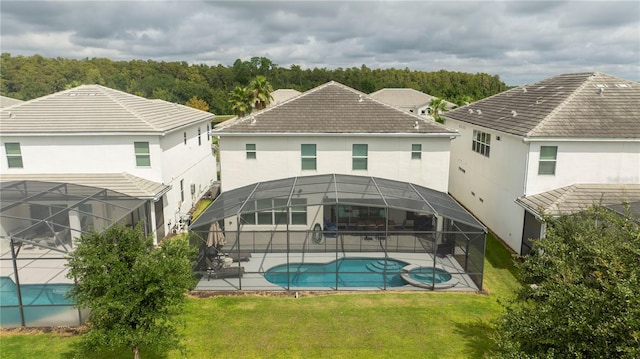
{"x": 171, "y": 161}
{"x": 83, "y": 154}
{"x": 193, "y": 163}
{"x": 585, "y": 162}
{"x": 488, "y": 186}
{"x": 388, "y": 157}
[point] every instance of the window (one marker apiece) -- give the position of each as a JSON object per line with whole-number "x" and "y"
{"x": 199, "y": 139}
{"x": 548, "y": 156}
{"x": 208, "y": 134}
{"x": 298, "y": 211}
{"x": 274, "y": 211}
{"x": 251, "y": 151}
{"x": 308, "y": 153}
{"x": 14, "y": 156}
{"x": 143, "y": 157}
{"x": 185, "y": 138}
{"x": 359, "y": 157}
{"x": 416, "y": 151}
{"x": 481, "y": 142}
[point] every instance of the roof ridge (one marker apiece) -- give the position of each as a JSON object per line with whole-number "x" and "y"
{"x": 564, "y": 103}
{"x": 568, "y": 190}
{"x": 109, "y": 93}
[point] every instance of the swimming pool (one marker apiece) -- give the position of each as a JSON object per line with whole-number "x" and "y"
{"x": 42, "y": 304}
{"x": 33, "y": 294}
{"x": 344, "y": 272}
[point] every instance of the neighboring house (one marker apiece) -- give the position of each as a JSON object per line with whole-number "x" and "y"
{"x": 282, "y": 95}
{"x": 8, "y": 101}
{"x": 532, "y": 141}
{"x": 334, "y": 129}
{"x": 408, "y": 100}
{"x": 93, "y": 135}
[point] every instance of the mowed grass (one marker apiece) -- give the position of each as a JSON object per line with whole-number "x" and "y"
{"x": 332, "y": 325}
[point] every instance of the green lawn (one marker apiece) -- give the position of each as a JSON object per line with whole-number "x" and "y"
{"x": 343, "y": 325}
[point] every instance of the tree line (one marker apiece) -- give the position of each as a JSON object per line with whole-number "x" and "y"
{"x": 28, "y": 77}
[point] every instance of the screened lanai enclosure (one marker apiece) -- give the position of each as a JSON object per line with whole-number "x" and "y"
{"x": 338, "y": 232}
{"x": 39, "y": 225}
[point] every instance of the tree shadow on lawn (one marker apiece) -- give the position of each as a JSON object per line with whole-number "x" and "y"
{"x": 479, "y": 341}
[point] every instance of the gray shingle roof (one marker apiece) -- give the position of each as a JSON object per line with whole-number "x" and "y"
{"x": 584, "y": 105}
{"x": 124, "y": 183}
{"x": 578, "y": 197}
{"x": 333, "y": 108}
{"x": 95, "y": 108}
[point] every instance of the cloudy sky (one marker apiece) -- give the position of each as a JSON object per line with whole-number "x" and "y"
{"x": 521, "y": 41}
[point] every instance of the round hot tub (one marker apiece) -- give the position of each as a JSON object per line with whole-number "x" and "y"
{"x": 428, "y": 277}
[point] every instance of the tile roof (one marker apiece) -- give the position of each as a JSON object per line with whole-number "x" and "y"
{"x": 333, "y": 108}
{"x": 584, "y": 105}
{"x": 405, "y": 97}
{"x": 124, "y": 183}
{"x": 8, "y": 101}
{"x": 578, "y": 197}
{"x": 96, "y": 109}
{"x": 282, "y": 95}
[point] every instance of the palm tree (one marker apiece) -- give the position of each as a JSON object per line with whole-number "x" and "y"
{"x": 240, "y": 100}
{"x": 437, "y": 106}
{"x": 261, "y": 92}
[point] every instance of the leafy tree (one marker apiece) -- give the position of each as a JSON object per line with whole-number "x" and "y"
{"x": 132, "y": 289}
{"x": 240, "y": 100}
{"x": 437, "y": 106}
{"x": 261, "y": 92}
{"x": 200, "y": 104}
{"x": 582, "y": 292}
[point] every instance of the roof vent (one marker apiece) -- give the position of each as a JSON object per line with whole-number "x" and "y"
{"x": 524, "y": 89}
{"x": 479, "y": 112}
{"x": 470, "y": 111}
{"x": 600, "y": 91}
{"x": 415, "y": 125}
{"x": 359, "y": 98}
{"x": 12, "y": 115}
{"x": 514, "y": 113}
{"x": 252, "y": 119}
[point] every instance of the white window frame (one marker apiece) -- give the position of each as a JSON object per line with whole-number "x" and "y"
{"x": 13, "y": 156}
{"x": 547, "y": 162}
{"x": 481, "y": 143}
{"x": 416, "y": 151}
{"x": 140, "y": 155}
{"x": 360, "y": 158}
{"x": 251, "y": 150}
{"x": 308, "y": 158}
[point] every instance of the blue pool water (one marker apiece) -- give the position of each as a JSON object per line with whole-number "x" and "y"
{"x": 33, "y": 294}
{"x": 348, "y": 272}
{"x": 43, "y": 304}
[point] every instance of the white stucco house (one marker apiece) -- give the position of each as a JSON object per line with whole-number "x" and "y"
{"x": 96, "y": 136}
{"x": 408, "y": 100}
{"x": 334, "y": 129}
{"x": 540, "y": 148}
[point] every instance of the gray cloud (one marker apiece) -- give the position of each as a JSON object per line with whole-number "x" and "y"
{"x": 522, "y": 41}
